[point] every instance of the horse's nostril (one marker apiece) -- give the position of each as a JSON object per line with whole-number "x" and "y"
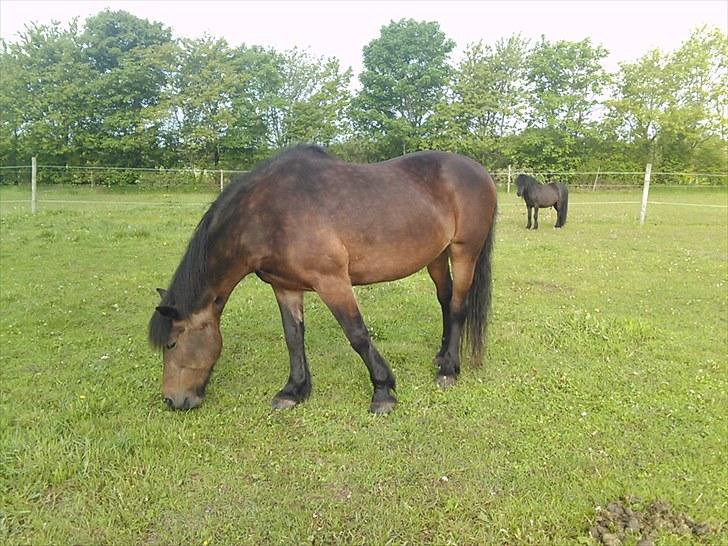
{"x": 169, "y": 402}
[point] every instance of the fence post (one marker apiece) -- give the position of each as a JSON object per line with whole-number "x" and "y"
{"x": 33, "y": 185}
{"x": 645, "y": 193}
{"x": 595, "y": 179}
{"x": 509, "y": 179}
{"x": 221, "y": 182}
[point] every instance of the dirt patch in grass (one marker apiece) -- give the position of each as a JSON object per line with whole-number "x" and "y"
{"x": 546, "y": 286}
{"x": 629, "y": 519}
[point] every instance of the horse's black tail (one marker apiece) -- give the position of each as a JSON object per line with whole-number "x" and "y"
{"x": 562, "y": 206}
{"x": 477, "y": 302}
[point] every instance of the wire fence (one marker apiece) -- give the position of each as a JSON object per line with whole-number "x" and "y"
{"x": 188, "y": 179}
{"x": 194, "y": 179}
{"x": 71, "y": 185}
{"x": 616, "y": 180}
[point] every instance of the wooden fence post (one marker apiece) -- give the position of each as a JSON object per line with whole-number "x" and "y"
{"x": 221, "y": 182}
{"x": 33, "y": 185}
{"x": 645, "y": 193}
{"x": 595, "y": 179}
{"x": 509, "y": 179}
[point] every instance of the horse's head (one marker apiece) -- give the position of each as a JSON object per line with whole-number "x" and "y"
{"x": 191, "y": 348}
{"x": 521, "y": 181}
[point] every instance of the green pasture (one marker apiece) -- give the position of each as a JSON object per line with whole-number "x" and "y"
{"x": 606, "y": 378}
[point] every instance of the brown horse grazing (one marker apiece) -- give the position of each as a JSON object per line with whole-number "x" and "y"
{"x": 306, "y": 221}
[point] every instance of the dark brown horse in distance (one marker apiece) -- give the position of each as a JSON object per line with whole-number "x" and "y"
{"x": 306, "y": 221}
{"x": 540, "y": 196}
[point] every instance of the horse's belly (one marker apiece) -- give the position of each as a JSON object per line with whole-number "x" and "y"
{"x": 387, "y": 261}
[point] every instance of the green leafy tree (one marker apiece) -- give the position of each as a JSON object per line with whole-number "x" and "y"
{"x": 122, "y": 91}
{"x": 284, "y": 98}
{"x": 47, "y": 87}
{"x": 309, "y": 101}
{"x": 643, "y": 96}
{"x": 12, "y": 105}
{"x": 488, "y": 101}
{"x": 201, "y": 114}
{"x": 565, "y": 80}
{"x": 406, "y": 75}
{"x": 319, "y": 115}
{"x": 131, "y": 60}
{"x": 110, "y": 35}
{"x": 670, "y": 108}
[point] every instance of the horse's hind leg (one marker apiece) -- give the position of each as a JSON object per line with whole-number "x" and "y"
{"x": 558, "y": 215}
{"x": 535, "y": 217}
{"x": 298, "y": 387}
{"x": 339, "y": 298}
{"x": 439, "y": 270}
{"x": 463, "y": 259}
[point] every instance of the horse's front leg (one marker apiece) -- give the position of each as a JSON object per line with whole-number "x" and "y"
{"x": 528, "y": 225}
{"x": 535, "y": 217}
{"x": 298, "y": 387}
{"x": 339, "y": 297}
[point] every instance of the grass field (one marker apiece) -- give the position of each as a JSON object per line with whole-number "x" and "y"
{"x": 606, "y": 380}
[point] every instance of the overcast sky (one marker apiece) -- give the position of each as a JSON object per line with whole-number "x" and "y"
{"x": 340, "y": 28}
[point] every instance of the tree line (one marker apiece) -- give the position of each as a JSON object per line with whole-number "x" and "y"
{"x": 123, "y": 91}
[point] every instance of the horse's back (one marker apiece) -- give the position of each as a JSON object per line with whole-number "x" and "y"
{"x": 542, "y": 195}
{"x": 381, "y": 221}
{"x": 327, "y": 189}
{"x": 555, "y": 186}
{"x": 419, "y": 192}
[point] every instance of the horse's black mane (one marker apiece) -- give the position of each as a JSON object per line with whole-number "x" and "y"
{"x": 189, "y": 282}
{"x": 524, "y": 180}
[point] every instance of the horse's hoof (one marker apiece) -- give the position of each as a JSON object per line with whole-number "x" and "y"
{"x": 446, "y": 381}
{"x": 283, "y": 403}
{"x": 382, "y": 407}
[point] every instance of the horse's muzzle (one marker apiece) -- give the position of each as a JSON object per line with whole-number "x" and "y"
{"x": 186, "y": 401}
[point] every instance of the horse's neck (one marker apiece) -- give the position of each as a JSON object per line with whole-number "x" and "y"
{"x": 227, "y": 274}
{"x": 228, "y": 264}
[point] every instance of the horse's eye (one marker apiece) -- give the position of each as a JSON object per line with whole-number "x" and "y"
{"x": 171, "y": 345}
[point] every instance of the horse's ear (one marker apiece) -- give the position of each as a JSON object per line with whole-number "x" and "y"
{"x": 169, "y": 312}
{"x": 162, "y": 292}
